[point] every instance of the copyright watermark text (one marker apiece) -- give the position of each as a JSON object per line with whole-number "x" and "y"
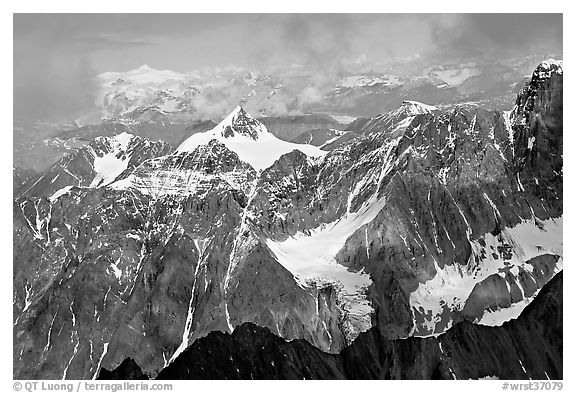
{"x": 90, "y": 386}
{"x": 533, "y": 385}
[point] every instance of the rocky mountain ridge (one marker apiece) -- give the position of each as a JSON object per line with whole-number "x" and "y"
{"x": 455, "y": 215}
{"x": 528, "y": 347}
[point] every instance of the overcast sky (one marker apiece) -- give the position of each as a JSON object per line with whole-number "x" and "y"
{"x": 57, "y": 56}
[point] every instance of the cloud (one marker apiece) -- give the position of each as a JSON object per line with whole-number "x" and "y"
{"x": 51, "y": 84}
{"x": 490, "y": 36}
{"x": 56, "y": 56}
{"x": 54, "y": 78}
{"x": 96, "y": 41}
{"x": 310, "y": 95}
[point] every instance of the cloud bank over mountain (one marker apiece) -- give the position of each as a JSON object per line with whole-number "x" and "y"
{"x": 57, "y": 57}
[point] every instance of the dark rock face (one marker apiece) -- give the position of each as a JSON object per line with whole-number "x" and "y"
{"x": 20, "y": 178}
{"x": 439, "y": 217}
{"x": 128, "y": 369}
{"x": 537, "y": 121}
{"x": 528, "y": 347}
{"x": 242, "y": 125}
{"x": 289, "y": 127}
{"x": 326, "y": 138}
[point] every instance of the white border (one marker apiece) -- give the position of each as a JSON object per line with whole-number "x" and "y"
{"x": 333, "y": 6}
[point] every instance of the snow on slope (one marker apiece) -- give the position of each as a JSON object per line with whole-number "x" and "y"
{"x": 59, "y": 193}
{"x": 498, "y": 317}
{"x": 110, "y": 165}
{"x": 312, "y": 257}
{"x": 501, "y": 315}
{"x": 452, "y": 285}
{"x": 548, "y": 62}
{"x": 248, "y": 138}
{"x": 413, "y": 108}
{"x": 403, "y": 116}
{"x": 166, "y": 176}
{"x": 545, "y": 68}
{"x": 399, "y": 119}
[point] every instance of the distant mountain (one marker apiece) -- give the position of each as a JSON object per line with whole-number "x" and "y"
{"x": 166, "y": 105}
{"x": 186, "y": 96}
{"x": 290, "y": 127}
{"x": 327, "y": 138}
{"x": 159, "y": 128}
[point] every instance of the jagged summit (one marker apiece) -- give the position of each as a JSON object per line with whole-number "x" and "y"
{"x": 547, "y": 68}
{"x": 248, "y": 138}
{"x": 239, "y": 122}
{"x": 551, "y": 62}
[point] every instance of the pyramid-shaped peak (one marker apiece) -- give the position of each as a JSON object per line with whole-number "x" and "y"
{"x": 240, "y": 123}
{"x": 239, "y": 111}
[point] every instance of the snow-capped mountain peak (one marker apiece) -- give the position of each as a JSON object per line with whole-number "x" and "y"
{"x": 547, "y": 63}
{"x": 248, "y": 138}
{"x": 401, "y": 118}
{"x": 398, "y": 119}
{"x": 240, "y": 123}
{"x": 547, "y": 67}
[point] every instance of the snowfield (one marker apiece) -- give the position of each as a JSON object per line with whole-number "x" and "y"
{"x": 313, "y": 258}
{"x": 111, "y": 165}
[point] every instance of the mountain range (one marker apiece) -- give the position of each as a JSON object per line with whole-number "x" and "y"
{"x": 529, "y": 347}
{"x": 169, "y": 106}
{"x": 415, "y": 221}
